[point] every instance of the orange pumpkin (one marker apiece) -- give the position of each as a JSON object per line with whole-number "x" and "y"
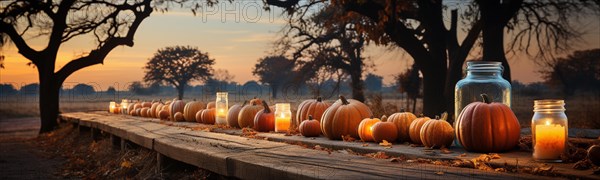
{"x": 402, "y": 120}
{"x": 415, "y": 129}
{"x": 208, "y": 116}
{"x": 437, "y": 133}
{"x": 178, "y": 117}
{"x": 138, "y": 112}
{"x": 264, "y": 121}
{"x": 247, "y": 113}
{"x": 255, "y": 101}
{"x": 343, "y": 117}
{"x": 154, "y": 109}
{"x": 232, "y": 115}
{"x": 384, "y": 130}
{"x": 176, "y": 106}
{"x": 137, "y": 105}
{"x": 310, "y": 127}
{"x": 190, "y": 110}
{"x": 144, "y": 112}
{"x": 365, "y": 129}
{"x": 211, "y": 105}
{"x": 487, "y": 127}
{"x": 130, "y": 107}
{"x": 146, "y": 104}
{"x": 163, "y": 115}
{"x": 198, "y": 116}
{"x": 132, "y": 112}
{"x": 311, "y": 107}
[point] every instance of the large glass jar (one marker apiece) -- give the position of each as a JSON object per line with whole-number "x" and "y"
{"x": 483, "y": 77}
{"x": 549, "y": 130}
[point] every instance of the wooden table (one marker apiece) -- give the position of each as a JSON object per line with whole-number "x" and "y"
{"x": 225, "y": 152}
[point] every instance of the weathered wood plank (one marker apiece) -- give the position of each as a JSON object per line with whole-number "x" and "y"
{"x": 226, "y": 153}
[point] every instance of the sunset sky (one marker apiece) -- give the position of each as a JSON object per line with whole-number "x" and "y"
{"x": 236, "y": 46}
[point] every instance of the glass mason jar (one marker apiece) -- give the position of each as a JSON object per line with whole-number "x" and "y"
{"x": 222, "y": 106}
{"x": 549, "y": 130}
{"x": 283, "y": 117}
{"x": 483, "y": 77}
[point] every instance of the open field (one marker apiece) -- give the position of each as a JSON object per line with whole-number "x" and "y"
{"x": 582, "y": 110}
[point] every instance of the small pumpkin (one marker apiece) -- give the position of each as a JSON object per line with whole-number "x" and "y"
{"x": 144, "y": 112}
{"x": 365, "y": 129}
{"x": 343, "y": 117}
{"x": 310, "y": 127}
{"x": 176, "y": 106}
{"x": 255, "y": 101}
{"x": 157, "y": 110}
{"x": 208, "y": 116}
{"x": 137, "y": 105}
{"x": 402, "y": 120}
{"x": 163, "y": 115}
{"x": 385, "y": 130}
{"x": 264, "y": 120}
{"x": 130, "y": 107}
{"x": 190, "y": 110}
{"x": 198, "y": 116}
{"x": 311, "y": 107}
{"x": 487, "y": 127}
{"x": 247, "y": 113}
{"x": 132, "y": 112}
{"x": 138, "y": 112}
{"x": 178, "y": 117}
{"x": 146, "y": 104}
{"x": 593, "y": 154}
{"x": 211, "y": 105}
{"x": 415, "y": 129}
{"x": 232, "y": 115}
{"x": 437, "y": 133}
{"x": 154, "y": 109}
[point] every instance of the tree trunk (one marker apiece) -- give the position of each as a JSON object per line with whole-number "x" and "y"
{"x": 49, "y": 100}
{"x": 433, "y": 92}
{"x": 180, "y": 91}
{"x": 274, "y": 89}
{"x": 357, "y": 85}
{"x": 493, "y": 39}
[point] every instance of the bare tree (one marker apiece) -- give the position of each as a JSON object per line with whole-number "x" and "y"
{"x": 178, "y": 66}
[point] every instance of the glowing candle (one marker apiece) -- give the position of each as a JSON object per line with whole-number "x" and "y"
{"x": 549, "y": 141}
{"x": 549, "y": 130}
{"x": 124, "y": 104}
{"x": 283, "y": 117}
{"x": 222, "y": 107}
{"x": 112, "y": 107}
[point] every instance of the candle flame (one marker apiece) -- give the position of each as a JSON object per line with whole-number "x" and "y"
{"x": 547, "y": 123}
{"x": 282, "y": 115}
{"x": 221, "y": 110}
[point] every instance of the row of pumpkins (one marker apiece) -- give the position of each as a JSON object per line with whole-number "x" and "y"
{"x": 480, "y": 127}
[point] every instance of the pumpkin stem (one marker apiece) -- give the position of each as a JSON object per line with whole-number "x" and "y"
{"x": 485, "y": 98}
{"x": 344, "y": 100}
{"x": 245, "y": 101}
{"x": 384, "y": 118}
{"x": 194, "y": 99}
{"x": 421, "y": 115}
{"x": 319, "y": 99}
{"x": 402, "y": 110}
{"x": 266, "y": 106}
{"x": 310, "y": 117}
{"x": 444, "y": 116}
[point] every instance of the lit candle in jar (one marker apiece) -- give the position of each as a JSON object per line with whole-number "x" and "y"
{"x": 112, "y": 107}
{"x": 124, "y": 104}
{"x": 221, "y": 105}
{"x": 549, "y": 130}
{"x": 283, "y": 117}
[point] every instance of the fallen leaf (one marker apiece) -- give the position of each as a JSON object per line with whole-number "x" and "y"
{"x": 444, "y": 150}
{"x": 582, "y": 165}
{"x": 395, "y": 160}
{"x": 378, "y": 155}
{"x": 365, "y": 145}
{"x": 348, "y": 138}
{"x": 411, "y": 161}
{"x": 318, "y": 147}
{"x": 463, "y": 155}
{"x": 439, "y": 173}
{"x": 126, "y": 164}
{"x": 385, "y": 144}
{"x": 500, "y": 170}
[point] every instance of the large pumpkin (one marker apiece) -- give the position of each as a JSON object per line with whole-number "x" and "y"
{"x": 190, "y": 110}
{"x": 487, "y": 127}
{"x": 437, "y": 133}
{"x": 146, "y": 104}
{"x": 365, "y": 129}
{"x": 264, "y": 120}
{"x": 247, "y": 113}
{"x": 311, "y": 107}
{"x": 208, "y": 116}
{"x": 310, "y": 127}
{"x": 384, "y": 130}
{"x": 402, "y": 120}
{"x": 343, "y": 117}
{"x": 176, "y": 106}
{"x": 415, "y": 129}
{"x": 232, "y": 115}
